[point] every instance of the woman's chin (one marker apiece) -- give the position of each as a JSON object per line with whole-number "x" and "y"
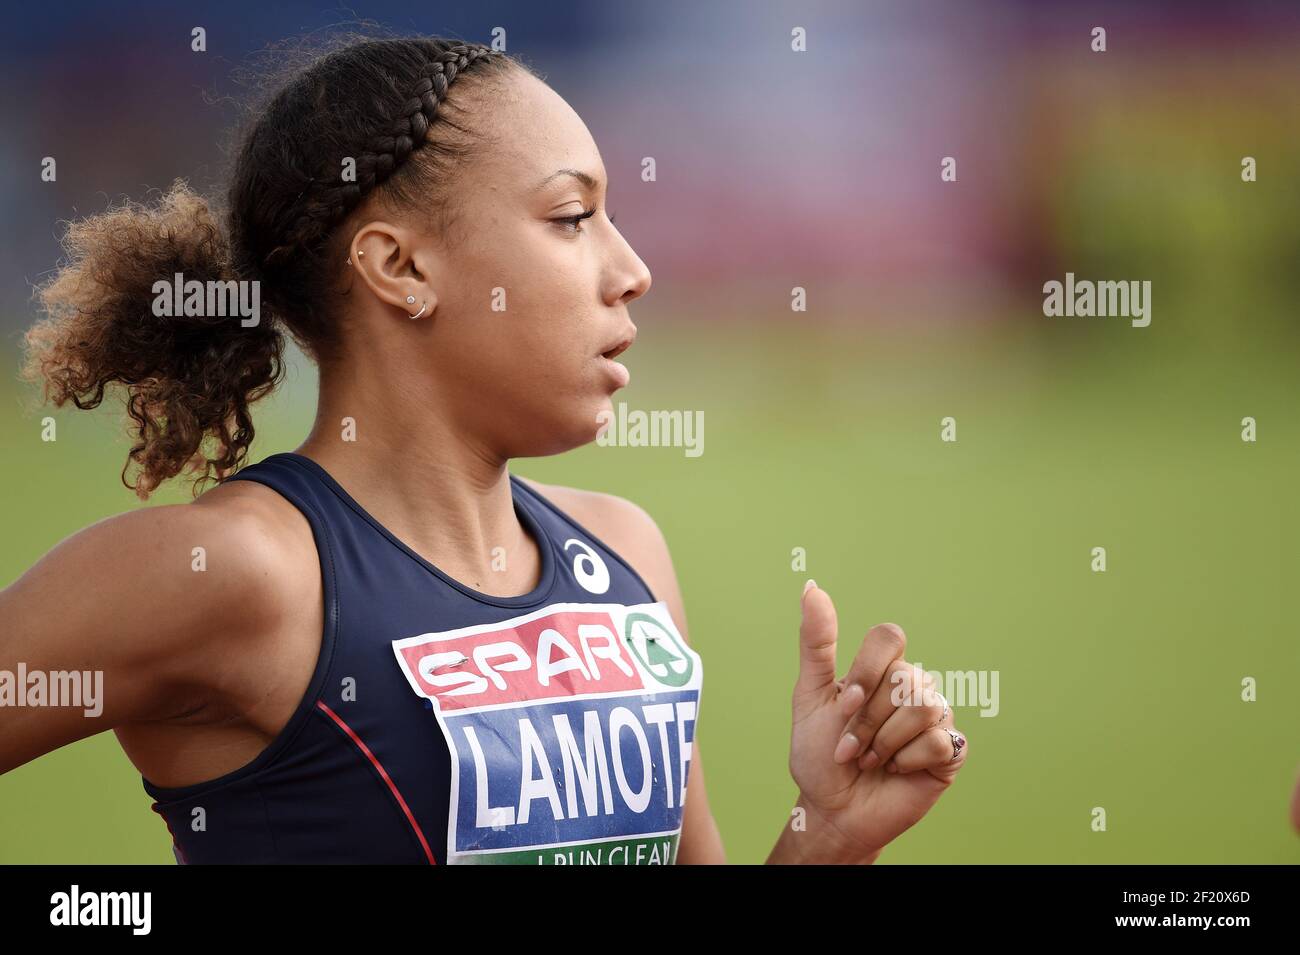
{"x": 557, "y": 429}
{"x": 574, "y": 431}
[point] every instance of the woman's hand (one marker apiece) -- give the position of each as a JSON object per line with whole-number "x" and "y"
{"x": 870, "y": 753}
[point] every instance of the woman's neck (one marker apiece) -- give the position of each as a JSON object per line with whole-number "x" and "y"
{"x": 443, "y": 493}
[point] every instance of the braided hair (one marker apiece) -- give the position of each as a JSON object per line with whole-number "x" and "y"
{"x": 371, "y": 117}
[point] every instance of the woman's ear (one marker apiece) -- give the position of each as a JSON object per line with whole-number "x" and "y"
{"x": 387, "y": 258}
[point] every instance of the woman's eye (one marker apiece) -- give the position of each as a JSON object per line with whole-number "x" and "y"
{"x": 571, "y": 222}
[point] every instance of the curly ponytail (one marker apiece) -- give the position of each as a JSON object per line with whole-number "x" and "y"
{"x": 368, "y": 118}
{"x": 187, "y": 378}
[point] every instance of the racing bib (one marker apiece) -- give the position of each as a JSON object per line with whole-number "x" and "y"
{"x": 570, "y": 732}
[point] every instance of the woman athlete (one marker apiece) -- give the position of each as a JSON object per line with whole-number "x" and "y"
{"x": 384, "y": 647}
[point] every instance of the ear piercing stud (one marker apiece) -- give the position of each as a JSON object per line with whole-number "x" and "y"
{"x": 410, "y": 299}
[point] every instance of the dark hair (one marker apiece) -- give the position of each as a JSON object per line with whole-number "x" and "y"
{"x": 381, "y": 103}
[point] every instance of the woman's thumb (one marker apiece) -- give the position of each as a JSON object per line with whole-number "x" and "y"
{"x": 817, "y": 632}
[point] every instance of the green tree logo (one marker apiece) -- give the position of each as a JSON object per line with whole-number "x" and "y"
{"x": 658, "y": 650}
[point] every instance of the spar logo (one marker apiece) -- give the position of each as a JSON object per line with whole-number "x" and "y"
{"x": 658, "y": 650}
{"x": 563, "y": 650}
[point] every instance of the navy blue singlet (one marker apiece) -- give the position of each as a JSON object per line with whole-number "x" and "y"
{"x": 443, "y": 725}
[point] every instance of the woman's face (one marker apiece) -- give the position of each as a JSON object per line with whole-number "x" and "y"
{"x": 530, "y": 298}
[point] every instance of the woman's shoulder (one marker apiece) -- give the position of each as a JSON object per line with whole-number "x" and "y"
{"x": 236, "y": 554}
{"x": 620, "y": 523}
{"x": 162, "y": 599}
{"x": 627, "y": 528}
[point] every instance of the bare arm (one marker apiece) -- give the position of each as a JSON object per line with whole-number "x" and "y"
{"x": 124, "y": 600}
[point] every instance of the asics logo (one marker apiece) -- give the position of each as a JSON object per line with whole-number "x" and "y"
{"x": 589, "y": 569}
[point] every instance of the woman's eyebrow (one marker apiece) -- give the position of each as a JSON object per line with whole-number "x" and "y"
{"x": 587, "y": 180}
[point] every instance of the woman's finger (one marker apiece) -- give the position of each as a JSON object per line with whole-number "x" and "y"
{"x": 883, "y": 644}
{"x": 818, "y": 628}
{"x": 918, "y": 707}
{"x": 935, "y": 748}
{"x": 945, "y": 719}
{"x": 867, "y": 720}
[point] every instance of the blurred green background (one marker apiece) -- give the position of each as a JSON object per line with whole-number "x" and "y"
{"x": 1119, "y": 690}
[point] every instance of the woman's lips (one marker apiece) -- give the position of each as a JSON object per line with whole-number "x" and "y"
{"x": 618, "y": 372}
{"x": 618, "y": 349}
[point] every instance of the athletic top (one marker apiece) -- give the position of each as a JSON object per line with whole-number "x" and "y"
{"x": 443, "y": 725}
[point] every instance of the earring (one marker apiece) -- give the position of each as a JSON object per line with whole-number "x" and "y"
{"x": 423, "y": 306}
{"x": 410, "y": 300}
{"x": 359, "y": 255}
